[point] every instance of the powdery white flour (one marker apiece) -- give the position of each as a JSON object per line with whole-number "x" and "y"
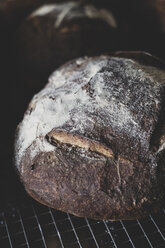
{"x": 70, "y": 10}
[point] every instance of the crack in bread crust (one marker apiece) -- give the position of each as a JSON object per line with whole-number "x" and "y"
{"x": 62, "y": 136}
{"x": 77, "y": 140}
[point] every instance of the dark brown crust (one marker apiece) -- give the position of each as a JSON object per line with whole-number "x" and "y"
{"x": 142, "y": 57}
{"x": 104, "y": 174}
{"x": 158, "y": 136}
{"x": 92, "y": 187}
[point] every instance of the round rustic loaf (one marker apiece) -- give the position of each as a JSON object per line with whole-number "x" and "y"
{"x": 92, "y": 141}
{"x": 56, "y": 33}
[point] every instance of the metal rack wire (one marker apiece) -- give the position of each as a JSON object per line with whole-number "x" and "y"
{"x": 28, "y": 224}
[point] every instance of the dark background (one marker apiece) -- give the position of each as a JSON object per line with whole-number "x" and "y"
{"x": 142, "y": 28}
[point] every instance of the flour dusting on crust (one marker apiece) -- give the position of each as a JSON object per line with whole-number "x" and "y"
{"x": 70, "y": 10}
{"x": 43, "y": 10}
{"x": 105, "y": 89}
{"x": 53, "y": 105}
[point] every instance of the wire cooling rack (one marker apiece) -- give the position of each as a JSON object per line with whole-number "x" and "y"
{"x": 28, "y": 224}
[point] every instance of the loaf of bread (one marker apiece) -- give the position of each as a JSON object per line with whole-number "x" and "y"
{"x": 92, "y": 141}
{"x": 56, "y": 33}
